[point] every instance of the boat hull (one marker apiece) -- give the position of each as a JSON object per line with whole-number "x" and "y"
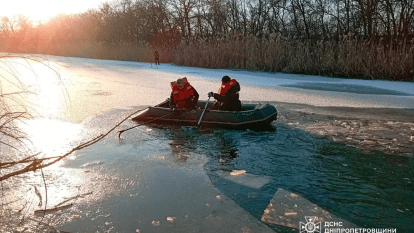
{"x": 251, "y": 116}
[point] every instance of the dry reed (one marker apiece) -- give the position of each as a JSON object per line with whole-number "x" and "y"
{"x": 348, "y": 57}
{"x": 345, "y": 58}
{"x": 95, "y": 50}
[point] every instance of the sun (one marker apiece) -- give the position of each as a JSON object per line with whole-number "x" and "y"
{"x": 38, "y": 10}
{"x": 43, "y": 10}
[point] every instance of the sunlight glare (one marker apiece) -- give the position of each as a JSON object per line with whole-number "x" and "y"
{"x": 49, "y": 98}
{"x": 42, "y": 10}
{"x": 52, "y": 137}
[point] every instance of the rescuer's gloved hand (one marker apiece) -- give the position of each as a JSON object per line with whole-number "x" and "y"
{"x": 173, "y": 108}
{"x": 211, "y": 94}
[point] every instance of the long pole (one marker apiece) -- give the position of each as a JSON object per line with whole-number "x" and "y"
{"x": 202, "y": 114}
{"x": 120, "y": 132}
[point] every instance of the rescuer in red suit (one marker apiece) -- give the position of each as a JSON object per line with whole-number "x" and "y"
{"x": 183, "y": 95}
{"x": 227, "y": 98}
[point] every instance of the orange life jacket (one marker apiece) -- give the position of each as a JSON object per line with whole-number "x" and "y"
{"x": 226, "y": 87}
{"x": 180, "y": 96}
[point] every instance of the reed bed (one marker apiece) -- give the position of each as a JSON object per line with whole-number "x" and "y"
{"x": 122, "y": 52}
{"x": 347, "y": 57}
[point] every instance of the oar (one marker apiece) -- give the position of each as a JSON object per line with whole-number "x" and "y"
{"x": 202, "y": 114}
{"x": 120, "y": 132}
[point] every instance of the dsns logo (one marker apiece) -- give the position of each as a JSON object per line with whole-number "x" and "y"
{"x": 310, "y": 226}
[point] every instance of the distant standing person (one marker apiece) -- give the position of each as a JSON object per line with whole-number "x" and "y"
{"x": 157, "y": 57}
{"x": 227, "y": 98}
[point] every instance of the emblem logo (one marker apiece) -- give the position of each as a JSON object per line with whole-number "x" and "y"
{"x": 310, "y": 226}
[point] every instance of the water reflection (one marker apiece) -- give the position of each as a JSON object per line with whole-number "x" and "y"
{"x": 367, "y": 184}
{"x": 227, "y": 148}
{"x": 227, "y": 156}
{"x": 50, "y": 99}
{"x": 179, "y": 151}
{"x": 42, "y": 88}
{"x": 42, "y": 94}
{"x": 51, "y": 137}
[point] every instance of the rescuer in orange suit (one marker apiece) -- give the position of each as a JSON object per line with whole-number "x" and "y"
{"x": 183, "y": 95}
{"x": 227, "y": 98}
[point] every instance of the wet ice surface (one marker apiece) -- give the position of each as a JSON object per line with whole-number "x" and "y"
{"x": 347, "y": 153}
{"x": 350, "y": 88}
{"x": 388, "y": 130}
{"x": 290, "y": 209}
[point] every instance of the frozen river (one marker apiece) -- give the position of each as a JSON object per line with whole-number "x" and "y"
{"x": 340, "y": 151}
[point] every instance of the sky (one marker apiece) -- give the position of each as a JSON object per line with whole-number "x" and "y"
{"x": 44, "y": 9}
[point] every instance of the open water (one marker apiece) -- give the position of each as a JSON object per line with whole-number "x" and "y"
{"x": 369, "y": 190}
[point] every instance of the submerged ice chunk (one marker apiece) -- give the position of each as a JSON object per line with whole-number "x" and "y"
{"x": 249, "y": 180}
{"x": 289, "y": 209}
